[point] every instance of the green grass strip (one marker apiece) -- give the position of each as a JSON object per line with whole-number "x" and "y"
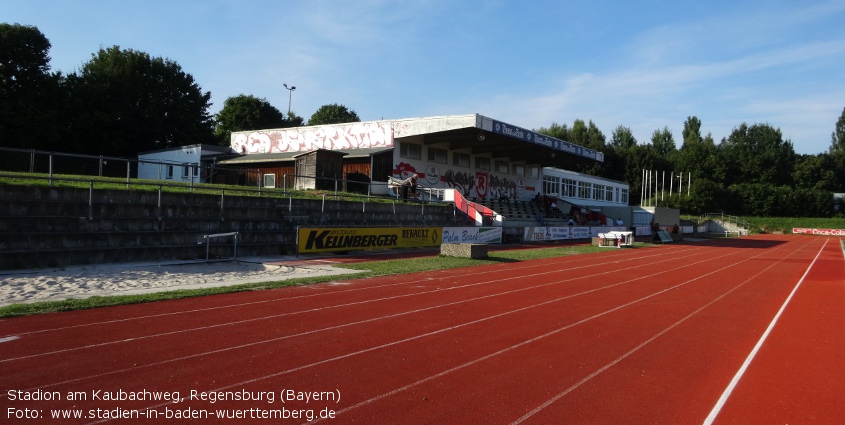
{"x": 367, "y": 269}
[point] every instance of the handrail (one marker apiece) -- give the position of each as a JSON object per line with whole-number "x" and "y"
{"x": 47, "y": 162}
{"x": 211, "y": 189}
{"x": 726, "y": 218}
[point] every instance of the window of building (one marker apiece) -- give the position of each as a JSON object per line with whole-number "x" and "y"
{"x": 170, "y": 172}
{"x": 608, "y": 194}
{"x": 502, "y": 167}
{"x": 482, "y": 163}
{"x": 624, "y": 198}
{"x": 410, "y": 150}
{"x": 598, "y": 191}
{"x": 569, "y": 187}
{"x": 534, "y": 172}
{"x": 438, "y": 155}
{"x": 551, "y": 185}
{"x": 585, "y": 190}
{"x": 460, "y": 159}
{"x": 519, "y": 170}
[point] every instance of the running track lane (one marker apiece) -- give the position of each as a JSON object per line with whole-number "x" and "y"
{"x": 797, "y": 375}
{"x": 583, "y": 339}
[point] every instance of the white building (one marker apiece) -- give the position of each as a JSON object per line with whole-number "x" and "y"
{"x": 584, "y": 189}
{"x": 481, "y": 157}
{"x": 181, "y": 164}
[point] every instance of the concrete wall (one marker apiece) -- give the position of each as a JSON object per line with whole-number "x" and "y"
{"x": 50, "y": 227}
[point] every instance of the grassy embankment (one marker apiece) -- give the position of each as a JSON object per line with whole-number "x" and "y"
{"x": 786, "y": 224}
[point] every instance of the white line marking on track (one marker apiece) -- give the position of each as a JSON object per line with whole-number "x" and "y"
{"x": 451, "y": 274}
{"x": 275, "y": 316}
{"x": 8, "y": 338}
{"x": 439, "y": 331}
{"x": 529, "y": 341}
{"x": 377, "y": 319}
{"x": 643, "y": 344}
{"x": 739, "y": 373}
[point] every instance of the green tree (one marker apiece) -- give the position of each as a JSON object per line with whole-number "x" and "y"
{"x": 639, "y": 158}
{"x": 622, "y": 138}
{"x": 295, "y": 120}
{"x": 588, "y": 136}
{"x": 333, "y": 114}
{"x": 698, "y": 155}
{"x": 30, "y": 97}
{"x": 757, "y": 154}
{"x": 129, "y": 102}
{"x": 692, "y": 130}
{"x": 557, "y": 131}
{"x": 837, "y": 138}
{"x": 837, "y": 152}
{"x": 618, "y": 161}
{"x": 242, "y": 112}
{"x": 706, "y": 196}
{"x": 663, "y": 142}
{"x": 814, "y": 172}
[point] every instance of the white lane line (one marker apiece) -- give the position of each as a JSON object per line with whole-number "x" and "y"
{"x": 553, "y": 332}
{"x": 727, "y": 393}
{"x": 251, "y": 344}
{"x": 8, "y": 338}
{"x": 646, "y": 342}
{"x": 319, "y": 309}
{"x": 451, "y": 274}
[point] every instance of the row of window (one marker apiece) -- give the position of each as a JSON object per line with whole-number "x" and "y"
{"x": 461, "y": 159}
{"x": 187, "y": 171}
{"x": 569, "y": 188}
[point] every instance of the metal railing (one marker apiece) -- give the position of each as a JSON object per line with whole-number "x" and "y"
{"x": 203, "y": 189}
{"x": 55, "y": 163}
{"x": 54, "y": 167}
{"x": 732, "y": 223}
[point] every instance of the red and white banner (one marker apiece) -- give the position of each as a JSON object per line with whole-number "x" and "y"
{"x": 823, "y": 232}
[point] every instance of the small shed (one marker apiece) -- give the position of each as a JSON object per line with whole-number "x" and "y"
{"x": 318, "y": 169}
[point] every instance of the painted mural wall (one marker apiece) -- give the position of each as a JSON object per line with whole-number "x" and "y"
{"x": 303, "y": 139}
{"x": 470, "y": 183}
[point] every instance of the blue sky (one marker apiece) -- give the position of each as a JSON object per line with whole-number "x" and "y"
{"x": 644, "y": 65}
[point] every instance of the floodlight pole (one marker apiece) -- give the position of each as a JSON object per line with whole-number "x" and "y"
{"x": 290, "y": 95}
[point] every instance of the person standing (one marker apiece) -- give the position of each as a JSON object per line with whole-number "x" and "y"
{"x": 413, "y": 185}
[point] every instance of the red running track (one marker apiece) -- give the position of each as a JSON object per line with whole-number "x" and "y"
{"x": 740, "y": 331}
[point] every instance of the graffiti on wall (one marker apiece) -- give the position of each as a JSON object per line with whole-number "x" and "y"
{"x": 304, "y": 139}
{"x": 471, "y": 184}
{"x": 462, "y": 181}
{"x": 504, "y": 188}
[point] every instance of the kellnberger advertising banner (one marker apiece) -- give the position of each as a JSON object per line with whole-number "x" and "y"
{"x": 312, "y": 239}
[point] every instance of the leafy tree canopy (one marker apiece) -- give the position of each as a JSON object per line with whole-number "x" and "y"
{"x": 692, "y": 131}
{"x": 557, "y": 131}
{"x": 814, "y": 172}
{"x": 333, "y": 114}
{"x": 837, "y": 142}
{"x": 757, "y": 154}
{"x": 242, "y": 112}
{"x": 30, "y": 96}
{"x": 837, "y": 152}
{"x": 622, "y": 138}
{"x": 130, "y": 102}
{"x": 663, "y": 141}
